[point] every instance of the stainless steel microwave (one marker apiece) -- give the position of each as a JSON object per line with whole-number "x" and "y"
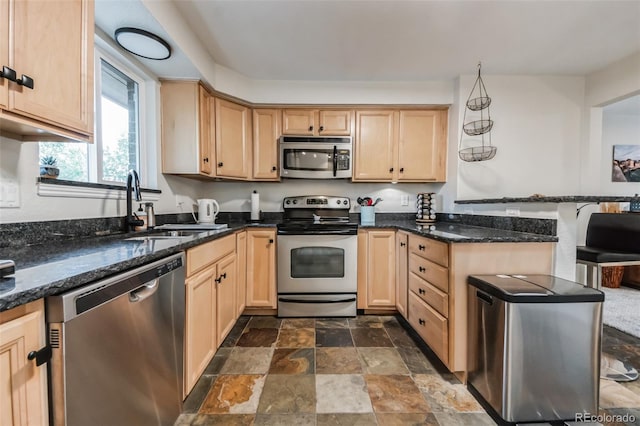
{"x": 315, "y": 157}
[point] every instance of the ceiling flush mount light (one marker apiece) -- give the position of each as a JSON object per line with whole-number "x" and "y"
{"x": 143, "y": 43}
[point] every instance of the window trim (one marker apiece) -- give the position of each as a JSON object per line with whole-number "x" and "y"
{"x": 76, "y": 189}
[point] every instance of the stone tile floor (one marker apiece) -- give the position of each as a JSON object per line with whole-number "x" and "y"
{"x": 358, "y": 371}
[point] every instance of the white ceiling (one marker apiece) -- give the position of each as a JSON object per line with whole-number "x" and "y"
{"x": 381, "y": 40}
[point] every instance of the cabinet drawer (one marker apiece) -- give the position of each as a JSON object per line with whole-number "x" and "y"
{"x": 434, "y": 297}
{"x": 205, "y": 254}
{"x": 433, "y": 250}
{"x": 430, "y": 325}
{"x": 436, "y": 275}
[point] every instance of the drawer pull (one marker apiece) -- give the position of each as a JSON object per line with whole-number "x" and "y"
{"x": 421, "y": 291}
{"x": 422, "y": 269}
{"x": 421, "y": 247}
{"x": 421, "y": 321}
{"x": 402, "y": 244}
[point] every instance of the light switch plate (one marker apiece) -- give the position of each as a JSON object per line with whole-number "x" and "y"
{"x": 9, "y": 194}
{"x": 513, "y": 212}
{"x": 404, "y": 200}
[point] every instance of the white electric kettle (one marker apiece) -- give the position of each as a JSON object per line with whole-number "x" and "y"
{"x": 207, "y": 210}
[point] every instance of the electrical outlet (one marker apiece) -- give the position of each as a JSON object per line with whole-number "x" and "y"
{"x": 404, "y": 200}
{"x": 513, "y": 212}
{"x": 183, "y": 203}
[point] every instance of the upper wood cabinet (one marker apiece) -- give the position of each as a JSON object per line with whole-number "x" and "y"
{"x": 315, "y": 122}
{"x": 233, "y": 140}
{"x": 261, "y": 268}
{"x": 409, "y": 146}
{"x": 376, "y": 269}
{"x": 49, "y": 46}
{"x": 23, "y": 384}
{"x": 187, "y": 128}
{"x": 266, "y": 130}
{"x": 375, "y": 145}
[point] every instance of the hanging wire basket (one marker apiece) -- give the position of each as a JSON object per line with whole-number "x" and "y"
{"x": 477, "y": 153}
{"x": 478, "y": 127}
{"x": 478, "y": 100}
{"x": 481, "y": 102}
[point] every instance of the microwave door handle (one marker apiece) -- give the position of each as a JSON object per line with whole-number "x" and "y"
{"x": 335, "y": 160}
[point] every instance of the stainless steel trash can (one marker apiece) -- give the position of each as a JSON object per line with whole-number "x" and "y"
{"x": 534, "y": 346}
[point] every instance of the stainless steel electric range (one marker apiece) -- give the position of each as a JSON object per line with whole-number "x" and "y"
{"x": 317, "y": 258}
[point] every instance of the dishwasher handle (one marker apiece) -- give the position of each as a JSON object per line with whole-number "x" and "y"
{"x": 144, "y": 291}
{"x": 484, "y": 297}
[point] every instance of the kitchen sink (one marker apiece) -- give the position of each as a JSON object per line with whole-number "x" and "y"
{"x": 164, "y": 235}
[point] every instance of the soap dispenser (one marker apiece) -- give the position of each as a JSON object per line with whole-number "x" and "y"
{"x": 151, "y": 217}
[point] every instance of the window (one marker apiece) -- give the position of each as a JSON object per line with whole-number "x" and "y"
{"x": 119, "y": 93}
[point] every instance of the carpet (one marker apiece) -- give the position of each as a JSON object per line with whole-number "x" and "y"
{"x": 621, "y": 309}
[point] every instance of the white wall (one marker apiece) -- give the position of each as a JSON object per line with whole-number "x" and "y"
{"x": 537, "y": 133}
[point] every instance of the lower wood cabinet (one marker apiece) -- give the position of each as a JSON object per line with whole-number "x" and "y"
{"x": 23, "y": 385}
{"x": 376, "y": 269}
{"x": 241, "y": 263}
{"x": 402, "y": 263}
{"x": 261, "y": 268}
{"x": 200, "y": 338}
{"x": 210, "y": 303}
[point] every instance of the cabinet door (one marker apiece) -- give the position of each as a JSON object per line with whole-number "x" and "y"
{"x": 241, "y": 262}
{"x": 374, "y": 145}
{"x": 4, "y": 52}
{"x": 206, "y": 107}
{"x": 226, "y": 283}
{"x": 233, "y": 140}
{"x": 266, "y": 130}
{"x": 200, "y": 342}
{"x": 261, "y": 268}
{"x": 334, "y": 122}
{"x": 23, "y": 387}
{"x": 422, "y": 146}
{"x": 381, "y": 270}
{"x": 53, "y": 44}
{"x": 298, "y": 122}
{"x": 402, "y": 272}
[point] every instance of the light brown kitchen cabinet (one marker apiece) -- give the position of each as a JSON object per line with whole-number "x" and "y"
{"x": 233, "y": 140}
{"x": 49, "y": 46}
{"x": 376, "y": 269}
{"x": 313, "y": 122}
{"x": 402, "y": 264}
{"x": 187, "y": 128}
{"x": 200, "y": 339}
{"x": 410, "y": 146}
{"x": 261, "y": 268}
{"x": 266, "y": 130}
{"x": 374, "y": 146}
{"x": 210, "y": 303}
{"x": 226, "y": 288}
{"x": 23, "y": 385}
{"x": 241, "y": 263}
{"x": 437, "y": 280}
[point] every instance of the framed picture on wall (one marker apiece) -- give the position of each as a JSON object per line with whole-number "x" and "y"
{"x": 626, "y": 163}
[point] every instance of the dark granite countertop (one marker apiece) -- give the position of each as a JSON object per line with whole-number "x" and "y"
{"x": 47, "y": 269}
{"x": 550, "y": 199}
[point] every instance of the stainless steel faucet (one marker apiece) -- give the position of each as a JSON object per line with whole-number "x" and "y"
{"x": 133, "y": 183}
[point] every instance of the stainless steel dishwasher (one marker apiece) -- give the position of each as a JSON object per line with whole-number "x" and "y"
{"x": 118, "y": 348}
{"x": 534, "y": 347}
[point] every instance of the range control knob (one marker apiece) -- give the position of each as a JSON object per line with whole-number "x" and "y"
{"x": 295, "y": 201}
{"x": 288, "y": 202}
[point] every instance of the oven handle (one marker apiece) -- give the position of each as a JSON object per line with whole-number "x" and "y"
{"x": 335, "y": 161}
{"x": 286, "y": 299}
{"x": 327, "y": 232}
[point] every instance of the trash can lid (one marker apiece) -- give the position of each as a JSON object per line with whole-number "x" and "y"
{"x": 520, "y": 288}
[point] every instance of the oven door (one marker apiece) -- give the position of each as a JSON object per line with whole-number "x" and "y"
{"x": 317, "y": 264}
{"x": 315, "y": 160}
